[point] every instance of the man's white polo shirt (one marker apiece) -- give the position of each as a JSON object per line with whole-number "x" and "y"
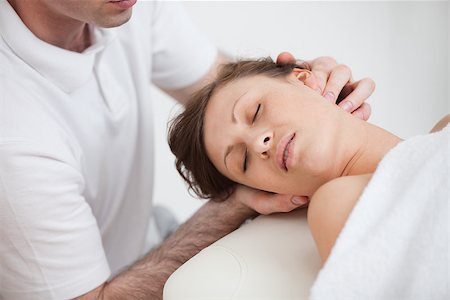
{"x": 76, "y": 148}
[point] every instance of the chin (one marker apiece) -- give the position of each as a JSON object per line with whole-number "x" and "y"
{"x": 114, "y": 20}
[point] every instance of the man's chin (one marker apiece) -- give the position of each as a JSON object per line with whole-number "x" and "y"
{"x": 116, "y": 20}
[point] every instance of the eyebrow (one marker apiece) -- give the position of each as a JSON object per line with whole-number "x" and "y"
{"x": 233, "y": 119}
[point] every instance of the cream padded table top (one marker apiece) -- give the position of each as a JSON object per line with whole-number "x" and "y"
{"x": 273, "y": 257}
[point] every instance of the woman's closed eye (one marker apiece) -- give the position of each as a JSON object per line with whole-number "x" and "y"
{"x": 256, "y": 113}
{"x": 244, "y": 166}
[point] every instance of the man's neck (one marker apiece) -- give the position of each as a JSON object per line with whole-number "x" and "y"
{"x": 51, "y": 27}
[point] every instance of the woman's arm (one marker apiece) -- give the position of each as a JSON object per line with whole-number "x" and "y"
{"x": 330, "y": 207}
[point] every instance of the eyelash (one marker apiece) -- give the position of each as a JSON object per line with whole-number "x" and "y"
{"x": 244, "y": 167}
{"x": 256, "y": 113}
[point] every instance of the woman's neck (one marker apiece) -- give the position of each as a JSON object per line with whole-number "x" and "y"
{"x": 373, "y": 143}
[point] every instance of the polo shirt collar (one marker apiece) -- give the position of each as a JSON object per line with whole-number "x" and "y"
{"x": 68, "y": 70}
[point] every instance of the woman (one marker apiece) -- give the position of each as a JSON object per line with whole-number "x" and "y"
{"x": 260, "y": 125}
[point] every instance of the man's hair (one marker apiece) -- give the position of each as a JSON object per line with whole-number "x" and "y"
{"x": 186, "y": 136}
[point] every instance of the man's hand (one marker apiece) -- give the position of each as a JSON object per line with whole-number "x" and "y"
{"x": 334, "y": 82}
{"x": 266, "y": 203}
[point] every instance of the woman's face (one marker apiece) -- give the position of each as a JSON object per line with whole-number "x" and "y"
{"x": 273, "y": 134}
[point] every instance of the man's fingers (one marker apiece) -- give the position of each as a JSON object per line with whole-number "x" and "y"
{"x": 339, "y": 77}
{"x": 363, "y": 112}
{"x": 321, "y": 68}
{"x": 285, "y": 58}
{"x": 277, "y": 203}
{"x": 268, "y": 203}
{"x": 335, "y": 83}
{"x": 361, "y": 91}
{"x": 258, "y": 204}
{"x": 321, "y": 80}
{"x": 299, "y": 200}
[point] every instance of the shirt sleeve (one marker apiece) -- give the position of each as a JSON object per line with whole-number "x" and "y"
{"x": 181, "y": 54}
{"x": 50, "y": 244}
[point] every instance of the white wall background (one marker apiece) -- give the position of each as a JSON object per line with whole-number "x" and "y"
{"x": 403, "y": 46}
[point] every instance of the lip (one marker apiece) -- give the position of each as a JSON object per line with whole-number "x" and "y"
{"x": 123, "y": 4}
{"x": 287, "y": 141}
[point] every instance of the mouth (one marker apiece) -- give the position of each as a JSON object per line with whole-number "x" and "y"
{"x": 284, "y": 151}
{"x": 124, "y": 4}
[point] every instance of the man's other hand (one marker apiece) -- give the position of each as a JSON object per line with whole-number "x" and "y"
{"x": 334, "y": 82}
{"x": 266, "y": 203}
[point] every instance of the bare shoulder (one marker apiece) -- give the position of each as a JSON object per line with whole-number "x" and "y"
{"x": 441, "y": 124}
{"x": 330, "y": 207}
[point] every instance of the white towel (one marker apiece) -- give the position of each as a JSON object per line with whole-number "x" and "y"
{"x": 395, "y": 243}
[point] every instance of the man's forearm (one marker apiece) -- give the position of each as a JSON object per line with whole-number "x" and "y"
{"x": 146, "y": 278}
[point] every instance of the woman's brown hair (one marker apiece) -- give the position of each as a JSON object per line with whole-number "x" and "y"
{"x": 185, "y": 135}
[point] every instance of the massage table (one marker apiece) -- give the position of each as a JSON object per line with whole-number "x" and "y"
{"x": 272, "y": 257}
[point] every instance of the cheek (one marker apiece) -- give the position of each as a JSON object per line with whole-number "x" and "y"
{"x": 268, "y": 180}
{"x": 258, "y": 179}
{"x": 317, "y": 162}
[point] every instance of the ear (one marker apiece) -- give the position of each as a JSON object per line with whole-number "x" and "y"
{"x": 307, "y": 77}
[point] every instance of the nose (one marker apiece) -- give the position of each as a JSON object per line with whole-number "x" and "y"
{"x": 262, "y": 143}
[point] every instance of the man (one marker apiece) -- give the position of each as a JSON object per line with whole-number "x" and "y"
{"x": 76, "y": 145}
